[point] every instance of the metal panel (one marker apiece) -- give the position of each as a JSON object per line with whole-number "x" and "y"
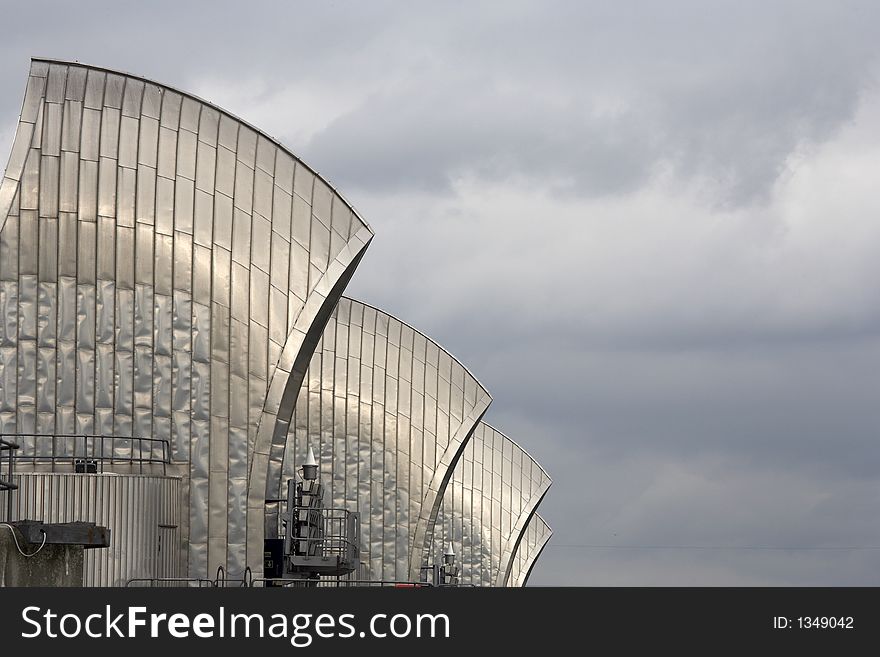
{"x": 494, "y": 491}
{"x": 535, "y": 538}
{"x": 136, "y": 186}
{"x": 143, "y": 544}
{"x": 375, "y": 466}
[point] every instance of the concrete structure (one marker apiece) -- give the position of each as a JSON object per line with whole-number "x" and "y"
{"x": 27, "y": 564}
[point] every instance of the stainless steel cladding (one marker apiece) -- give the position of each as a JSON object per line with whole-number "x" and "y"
{"x": 388, "y": 412}
{"x": 166, "y": 271}
{"x": 534, "y": 540}
{"x": 143, "y": 513}
{"x": 495, "y": 489}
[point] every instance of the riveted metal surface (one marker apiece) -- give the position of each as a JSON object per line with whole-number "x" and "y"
{"x": 149, "y": 286}
{"x": 387, "y": 412}
{"x": 535, "y": 538}
{"x": 495, "y": 488}
{"x": 143, "y": 514}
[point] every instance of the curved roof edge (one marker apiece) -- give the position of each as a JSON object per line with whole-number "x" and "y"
{"x": 538, "y": 498}
{"x": 533, "y": 559}
{"x": 64, "y": 62}
{"x": 521, "y": 448}
{"x": 430, "y": 339}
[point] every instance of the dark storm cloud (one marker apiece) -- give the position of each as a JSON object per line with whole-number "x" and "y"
{"x": 649, "y": 228}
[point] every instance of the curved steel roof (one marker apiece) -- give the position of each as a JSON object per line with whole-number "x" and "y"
{"x": 166, "y": 271}
{"x": 388, "y": 412}
{"x": 535, "y": 539}
{"x": 494, "y": 492}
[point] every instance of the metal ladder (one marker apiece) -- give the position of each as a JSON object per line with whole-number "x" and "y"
{"x": 7, "y": 485}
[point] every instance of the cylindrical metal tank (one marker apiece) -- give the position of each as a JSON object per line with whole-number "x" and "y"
{"x": 142, "y": 512}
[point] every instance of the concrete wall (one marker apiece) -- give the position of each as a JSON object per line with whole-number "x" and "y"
{"x": 53, "y": 565}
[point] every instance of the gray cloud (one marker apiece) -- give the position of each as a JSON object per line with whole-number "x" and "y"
{"x": 649, "y": 229}
{"x": 602, "y": 97}
{"x": 585, "y": 98}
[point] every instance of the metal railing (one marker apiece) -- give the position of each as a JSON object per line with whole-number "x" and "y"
{"x": 255, "y": 582}
{"x": 333, "y": 582}
{"x": 7, "y": 485}
{"x": 338, "y": 537}
{"x": 182, "y": 582}
{"x": 220, "y": 581}
{"x": 69, "y": 449}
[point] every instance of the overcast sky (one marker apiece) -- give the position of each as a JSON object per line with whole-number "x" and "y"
{"x": 652, "y": 230}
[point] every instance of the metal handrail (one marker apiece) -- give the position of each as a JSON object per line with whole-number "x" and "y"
{"x": 342, "y": 583}
{"x": 99, "y": 448}
{"x": 338, "y": 582}
{"x": 333, "y": 536}
{"x": 8, "y": 486}
{"x": 328, "y": 546}
{"x": 154, "y": 581}
{"x": 220, "y": 581}
{"x": 252, "y": 582}
{"x": 223, "y": 581}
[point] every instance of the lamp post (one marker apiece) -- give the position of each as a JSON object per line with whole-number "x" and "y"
{"x": 310, "y": 466}
{"x": 449, "y": 571}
